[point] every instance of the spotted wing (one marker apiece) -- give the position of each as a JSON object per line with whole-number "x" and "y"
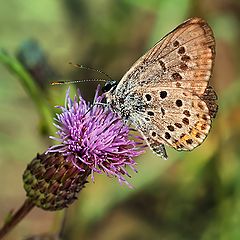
{"x": 176, "y": 117}
{"x": 183, "y": 58}
{"x": 171, "y": 81}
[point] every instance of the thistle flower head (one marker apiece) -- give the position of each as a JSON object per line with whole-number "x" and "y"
{"x": 91, "y": 135}
{"x": 51, "y": 182}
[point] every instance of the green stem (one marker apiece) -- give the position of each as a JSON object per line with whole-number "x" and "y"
{"x": 16, "y": 218}
{"x": 31, "y": 88}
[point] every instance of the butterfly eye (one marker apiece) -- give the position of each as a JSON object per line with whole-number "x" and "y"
{"x": 110, "y": 85}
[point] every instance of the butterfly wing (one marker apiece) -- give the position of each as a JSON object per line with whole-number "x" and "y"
{"x": 177, "y": 118}
{"x": 183, "y": 58}
{"x": 166, "y": 91}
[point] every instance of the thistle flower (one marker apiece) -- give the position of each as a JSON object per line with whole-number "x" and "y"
{"x": 92, "y": 139}
{"x": 92, "y": 136}
{"x": 51, "y": 182}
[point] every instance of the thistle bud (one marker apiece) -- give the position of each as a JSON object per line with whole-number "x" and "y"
{"x": 51, "y": 182}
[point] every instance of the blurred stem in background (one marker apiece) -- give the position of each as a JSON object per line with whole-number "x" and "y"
{"x": 42, "y": 106}
{"x": 35, "y": 61}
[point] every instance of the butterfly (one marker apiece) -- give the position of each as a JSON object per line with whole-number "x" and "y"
{"x": 166, "y": 95}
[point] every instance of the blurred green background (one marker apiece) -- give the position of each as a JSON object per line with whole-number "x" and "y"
{"x": 193, "y": 195}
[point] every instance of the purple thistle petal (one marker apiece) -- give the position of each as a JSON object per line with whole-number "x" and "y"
{"x": 94, "y": 136}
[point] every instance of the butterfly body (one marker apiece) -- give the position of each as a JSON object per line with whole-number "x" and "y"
{"x": 166, "y": 94}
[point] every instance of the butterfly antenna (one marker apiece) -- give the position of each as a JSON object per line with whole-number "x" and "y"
{"x": 77, "y": 81}
{"x": 89, "y": 68}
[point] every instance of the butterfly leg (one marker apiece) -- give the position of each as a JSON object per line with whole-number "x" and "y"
{"x": 96, "y": 104}
{"x": 159, "y": 149}
{"x": 154, "y": 142}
